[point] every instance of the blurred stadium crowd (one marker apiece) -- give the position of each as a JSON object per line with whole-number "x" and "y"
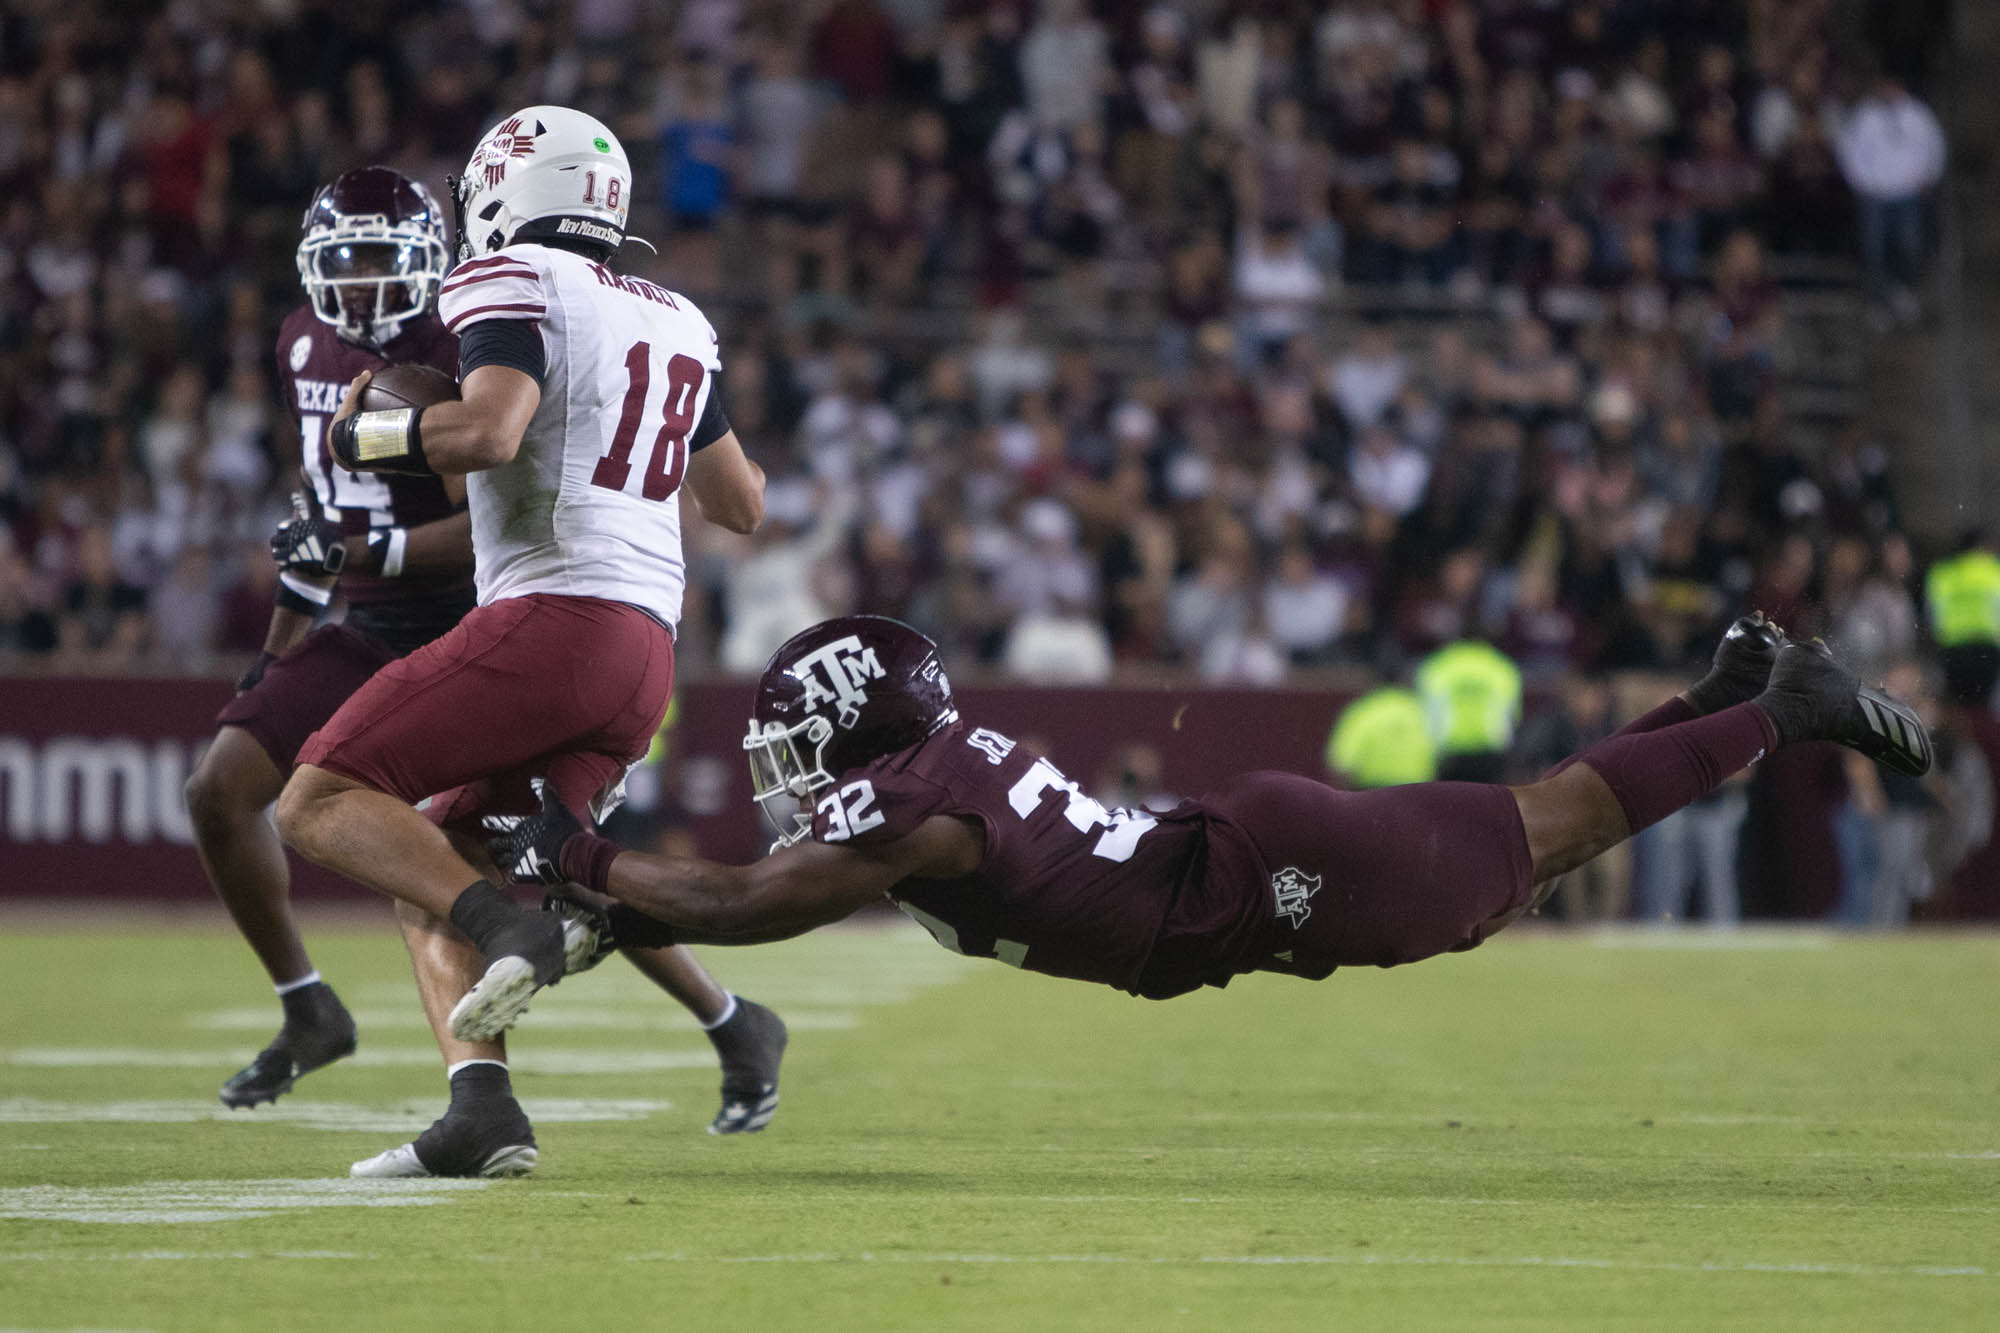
{"x": 1227, "y": 337}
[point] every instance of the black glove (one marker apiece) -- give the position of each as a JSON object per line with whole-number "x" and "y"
{"x": 527, "y": 849}
{"x": 309, "y": 543}
{"x": 254, "y": 673}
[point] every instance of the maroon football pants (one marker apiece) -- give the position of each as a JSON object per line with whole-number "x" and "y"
{"x": 567, "y": 688}
{"x": 1376, "y": 878}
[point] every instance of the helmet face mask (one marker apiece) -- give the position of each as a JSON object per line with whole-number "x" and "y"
{"x": 835, "y": 697}
{"x": 787, "y": 762}
{"x": 373, "y": 255}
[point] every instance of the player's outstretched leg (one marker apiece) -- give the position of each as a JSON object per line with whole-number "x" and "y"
{"x": 1630, "y": 781}
{"x": 1741, "y": 666}
{"x": 380, "y": 840}
{"x": 227, "y": 798}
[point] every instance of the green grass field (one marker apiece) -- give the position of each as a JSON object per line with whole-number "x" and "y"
{"x": 1558, "y": 1131}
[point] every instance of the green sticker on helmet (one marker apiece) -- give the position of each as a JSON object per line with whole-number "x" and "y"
{"x": 601, "y": 145}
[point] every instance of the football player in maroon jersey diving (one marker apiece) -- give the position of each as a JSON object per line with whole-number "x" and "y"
{"x": 991, "y": 848}
{"x": 398, "y": 549}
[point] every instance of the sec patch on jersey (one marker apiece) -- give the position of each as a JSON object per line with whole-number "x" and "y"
{"x": 409, "y": 384}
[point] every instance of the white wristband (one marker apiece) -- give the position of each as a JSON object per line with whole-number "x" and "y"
{"x": 317, "y": 596}
{"x": 392, "y": 555}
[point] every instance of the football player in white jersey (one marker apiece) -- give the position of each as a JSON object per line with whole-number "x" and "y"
{"x": 589, "y": 401}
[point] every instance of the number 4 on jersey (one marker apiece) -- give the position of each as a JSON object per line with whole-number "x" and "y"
{"x": 668, "y": 463}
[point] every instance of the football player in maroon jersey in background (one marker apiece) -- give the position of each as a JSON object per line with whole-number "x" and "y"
{"x": 999, "y": 855}
{"x": 399, "y": 549}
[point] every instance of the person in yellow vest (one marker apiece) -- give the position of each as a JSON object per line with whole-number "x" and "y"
{"x": 1471, "y": 692}
{"x": 1382, "y": 740}
{"x": 1962, "y": 596}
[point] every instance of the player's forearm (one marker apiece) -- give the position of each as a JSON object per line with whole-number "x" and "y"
{"x": 287, "y": 628}
{"x": 705, "y": 903}
{"x": 468, "y": 437}
{"x": 445, "y": 544}
{"x": 702, "y": 902}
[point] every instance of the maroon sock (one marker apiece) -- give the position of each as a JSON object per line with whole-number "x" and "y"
{"x": 1675, "y": 709}
{"x": 1655, "y": 773}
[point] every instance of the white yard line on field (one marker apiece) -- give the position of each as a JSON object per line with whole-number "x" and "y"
{"x": 526, "y": 1062}
{"x": 263, "y": 1018}
{"x": 342, "y": 1117}
{"x": 218, "y": 1200}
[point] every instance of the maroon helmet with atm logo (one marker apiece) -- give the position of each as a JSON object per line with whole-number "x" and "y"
{"x": 834, "y": 697}
{"x": 373, "y": 254}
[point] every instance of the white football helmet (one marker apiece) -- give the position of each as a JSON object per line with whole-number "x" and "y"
{"x": 544, "y": 173}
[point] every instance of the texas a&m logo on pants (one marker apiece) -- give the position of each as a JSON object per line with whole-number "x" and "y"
{"x": 1292, "y": 887}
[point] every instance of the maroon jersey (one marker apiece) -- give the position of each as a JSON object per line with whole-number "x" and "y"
{"x": 314, "y": 370}
{"x": 1065, "y": 886}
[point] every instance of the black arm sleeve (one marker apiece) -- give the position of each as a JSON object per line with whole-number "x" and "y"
{"x": 515, "y": 343}
{"x": 714, "y": 423}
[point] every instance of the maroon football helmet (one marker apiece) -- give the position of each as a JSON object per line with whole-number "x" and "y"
{"x": 373, "y": 254}
{"x": 835, "y": 697}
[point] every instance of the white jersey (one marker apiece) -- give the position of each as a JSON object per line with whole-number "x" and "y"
{"x": 587, "y": 508}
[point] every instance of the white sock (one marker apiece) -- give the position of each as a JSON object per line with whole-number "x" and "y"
{"x": 309, "y": 979}
{"x": 450, "y": 1070}
{"x": 728, "y": 1012}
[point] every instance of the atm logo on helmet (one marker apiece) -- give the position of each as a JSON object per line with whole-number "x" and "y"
{"x": 836, "y": 674}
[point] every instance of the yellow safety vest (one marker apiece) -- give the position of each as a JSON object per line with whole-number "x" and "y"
{"x": 1963, "y": 597}
{"x": 1382, "y": 740}
{"x": 1472, "y": 696}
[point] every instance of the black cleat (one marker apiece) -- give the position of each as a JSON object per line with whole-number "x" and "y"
{"x": 1742, "y": 665}
{"x": 318, "y": 1030}
{"x": 1811, "y": 697}
{"x": 752, "y": 1045}
{"x": 493, "y": 1139}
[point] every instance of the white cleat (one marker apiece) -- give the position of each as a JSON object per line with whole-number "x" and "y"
{"x": 496, "y": 1001}
{"x": 400, "y": 1163}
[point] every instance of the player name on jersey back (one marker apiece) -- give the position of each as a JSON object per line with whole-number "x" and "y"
{"x": 588, "y": 506}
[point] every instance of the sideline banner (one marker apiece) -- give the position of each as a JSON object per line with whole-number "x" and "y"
{"x": 91, "y": 770}
{"x": 91, "y": 773}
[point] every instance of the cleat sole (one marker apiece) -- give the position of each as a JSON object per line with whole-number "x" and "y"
{"x": 1899, "y": 741}
{"x": 496, "y": 1002}
{"x": 732, "y": 1121}
{"x": 508, "y": 1163}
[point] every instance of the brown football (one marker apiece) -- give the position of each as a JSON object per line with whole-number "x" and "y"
{"x": 408, "y": 385}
